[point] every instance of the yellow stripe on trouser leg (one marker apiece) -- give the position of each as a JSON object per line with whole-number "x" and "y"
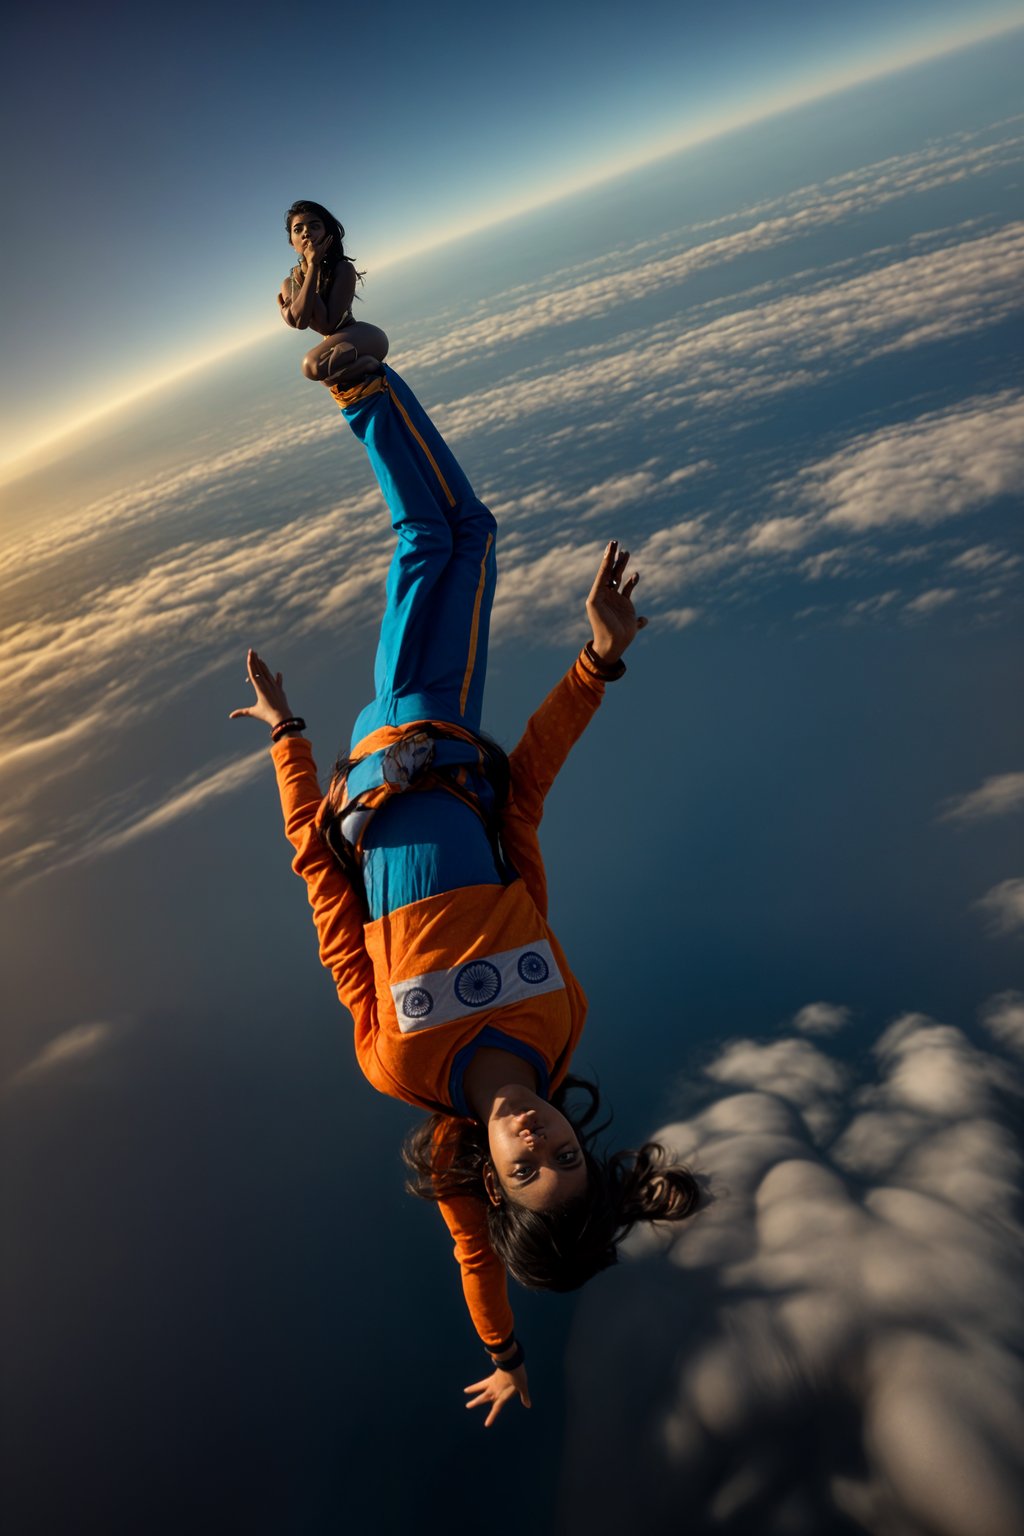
{"x": 426, "y": 450}
{"x": 474, "y": 632}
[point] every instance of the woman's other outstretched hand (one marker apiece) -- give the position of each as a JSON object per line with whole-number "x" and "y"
{"x": 614, "y": 621}
{"x": 271, "y": 704}
{"x": 497, "y": 1390}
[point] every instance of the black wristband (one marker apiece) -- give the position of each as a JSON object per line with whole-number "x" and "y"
{"x": 607, "y": 671}
{"x": 286, "y": 728}
{"x": 514, "y": 1361}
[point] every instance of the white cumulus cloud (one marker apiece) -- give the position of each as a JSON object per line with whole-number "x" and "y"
{"x": 935, "y": 467}
{"x": 821, "y": 1019}
{"x": 1004, "y": 904}
{"x": 834, "y": 1341}
{"x": 1003, "y": 1017}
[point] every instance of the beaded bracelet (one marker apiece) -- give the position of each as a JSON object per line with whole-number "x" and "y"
{"x": 607, "y": 671}
{"x": 285, "y": 727}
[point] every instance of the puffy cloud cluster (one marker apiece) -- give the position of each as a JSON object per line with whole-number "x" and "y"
{"x": 1003, "y": 1017}
{"x": 921, "y": 471}
{"x": 821, "y": 1018}
{"x": 1004, "y": 904}
{"x": 835, "y": 1342}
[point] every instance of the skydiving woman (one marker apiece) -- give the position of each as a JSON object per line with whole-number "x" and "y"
{"x": 428, "y": 891}
{"x": 318, "y": 294}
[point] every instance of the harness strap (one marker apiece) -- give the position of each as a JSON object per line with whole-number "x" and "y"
{"x": 434, "y": 755}
{"x": 398, "y": 766}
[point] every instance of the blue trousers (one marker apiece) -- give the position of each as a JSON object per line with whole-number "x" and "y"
{"x": 432, "y": 657}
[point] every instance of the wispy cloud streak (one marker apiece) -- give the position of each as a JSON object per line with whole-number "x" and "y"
{"x": 999, "y": 795}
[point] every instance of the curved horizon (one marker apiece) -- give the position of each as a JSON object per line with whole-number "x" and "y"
{"x": 50, "y": 446}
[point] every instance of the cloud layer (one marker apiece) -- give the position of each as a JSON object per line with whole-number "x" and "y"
{"x": 836, "y": 1341}
{"x": 108, "y": 617}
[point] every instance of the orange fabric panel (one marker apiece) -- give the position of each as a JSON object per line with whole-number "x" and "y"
{"x": 443, "y": 933}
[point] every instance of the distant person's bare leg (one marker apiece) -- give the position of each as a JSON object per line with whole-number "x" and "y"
{"x": 349, "y": 355}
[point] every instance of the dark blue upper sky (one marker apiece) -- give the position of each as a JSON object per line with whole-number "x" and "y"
{"x": 157, "y": 149}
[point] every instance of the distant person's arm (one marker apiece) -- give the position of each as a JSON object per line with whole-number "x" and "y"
{"x": 303, "y": 308}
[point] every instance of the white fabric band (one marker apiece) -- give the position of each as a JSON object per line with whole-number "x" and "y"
{"x": 493, "y": 981}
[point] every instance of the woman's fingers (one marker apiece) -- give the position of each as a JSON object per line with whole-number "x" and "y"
{"x": 489, "y": 1391}
{"x": 260, "y": 674}
{"x": 499, "y": 1404}
{"x": 236, "y": 714}
{"x": 611, "y": 571}
{"x": 604, "y": 569}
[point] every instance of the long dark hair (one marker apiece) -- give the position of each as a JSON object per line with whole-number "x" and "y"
{"x": 336, "y": 254}
{"x": 554, "y": 1250}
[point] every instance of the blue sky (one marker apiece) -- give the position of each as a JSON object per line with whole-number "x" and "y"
{"x": 163, "y": 147}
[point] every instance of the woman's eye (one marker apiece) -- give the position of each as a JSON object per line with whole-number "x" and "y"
{"x": 568, "y": 1159}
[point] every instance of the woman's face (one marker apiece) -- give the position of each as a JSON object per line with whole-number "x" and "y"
{"x": 534, "y": 1150}
{"x": 307, "y": 226}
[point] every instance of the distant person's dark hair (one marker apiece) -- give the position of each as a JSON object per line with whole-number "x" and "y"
{"x": 555, "y": 1250}
{"x": 336, "y": 254}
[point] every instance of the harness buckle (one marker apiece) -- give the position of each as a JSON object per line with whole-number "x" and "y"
{"x": 405, "y": 759}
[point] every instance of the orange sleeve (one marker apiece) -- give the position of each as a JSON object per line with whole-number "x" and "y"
{"x": 336, "y": 909}
{"x": 483, "y": 1275}
{"x": 551, "y": 733}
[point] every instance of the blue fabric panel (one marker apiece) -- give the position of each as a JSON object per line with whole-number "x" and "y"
{"x": 421, "y": 844}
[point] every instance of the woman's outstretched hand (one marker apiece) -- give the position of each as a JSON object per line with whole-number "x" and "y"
{"x": 497, "y": 1390}
{"x": 271, "y": 704}
{"x": 614, "y": 621}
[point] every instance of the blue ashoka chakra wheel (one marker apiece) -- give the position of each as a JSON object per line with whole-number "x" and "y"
{"x": 478, "y": 984}
{"x": 533, "y": 968}
{"x": 417, "y": 1003}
